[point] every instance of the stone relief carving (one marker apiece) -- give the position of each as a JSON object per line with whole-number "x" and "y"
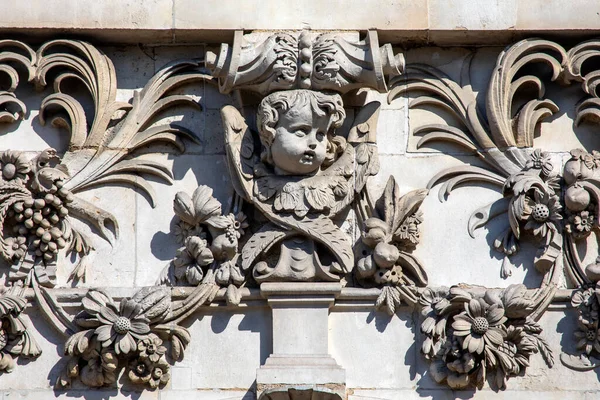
{"x": 295, "y": 177}
{"x": 124, "y": 336}
{"x": 300, "y": 178}
{"x": 474, "y": 335}
{"x": 265, "y": 62}
{"x": 39, "y": 197}
{"x": 555, "y": 212}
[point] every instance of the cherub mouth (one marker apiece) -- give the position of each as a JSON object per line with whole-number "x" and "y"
{"x": 308, "y": 156}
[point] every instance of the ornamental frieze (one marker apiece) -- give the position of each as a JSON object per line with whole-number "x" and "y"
{"x": 301, "y": 151}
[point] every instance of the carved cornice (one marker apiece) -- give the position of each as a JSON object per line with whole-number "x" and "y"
{"x": 269, "y": 61}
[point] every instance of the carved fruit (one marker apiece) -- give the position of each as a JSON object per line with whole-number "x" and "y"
{"x": 223, "y": 248}
{"x": 576, "y": 170}
{"x": 375, "y": 231}
{"x": 577, "y": 198}
{"x": 365, "y": 267}
{"x": 385, "y": 255}
{"x": 593, "y": 271}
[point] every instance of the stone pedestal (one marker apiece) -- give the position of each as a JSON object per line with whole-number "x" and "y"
{"x": 300, "y": 355}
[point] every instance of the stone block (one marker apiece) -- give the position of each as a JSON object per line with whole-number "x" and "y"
{"x": 293, "y": 15}
{"x": 552, "y": 14}
{"x": 64, "y": 14}
{"x": 472, "y": 15}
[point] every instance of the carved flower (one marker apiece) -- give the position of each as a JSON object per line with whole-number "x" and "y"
{"x": 140, "y": 371}
{"x": 587, "y": 336}
{"x": 153, "y": 374}
{"x": 543, "y": 213}
{"x": 151, "y": 348}
{"x": 100, "y": 368}
{"x": 586, "y": 302}
{"x": 591, "y": 161}
{"x": 14, "y": 165}
{"x": 240, "y": 223}
{"x": 119, "y": 326}
{"x": 454, "y": 366}
{"x": 384, "y": 276}
{"x": 433, "y": 304}
{"x": 16, "y": 246}
{"x": 191, "y": 258}
{"x": 408, "y": 231}
{"x": 584, "y": 221}
{"x": 515, "y": 351}
{"x": 183, "y": 230}
{"x": 160, "y": 373}
{"x": 480, "y": 325}
{"x": 540, "y": 160}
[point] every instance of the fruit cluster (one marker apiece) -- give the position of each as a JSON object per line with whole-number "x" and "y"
{"x": 38, "y": 221}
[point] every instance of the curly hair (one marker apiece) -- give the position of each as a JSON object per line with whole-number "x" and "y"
{"x": 278, "y": 103}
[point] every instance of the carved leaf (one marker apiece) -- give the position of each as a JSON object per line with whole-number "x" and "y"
{"x": 78, "y": 343}
{"x": 578, "y": 363}
{"x": 240, "y": 151}
{"x": 184, "y": 208}
{"x": 319, "y": 197}
{"x": 260, "y": 243}
{"x": 503, "y": 86}
{"x": 413, "y": 267}
{"x": 325, "y": 231}
{"x": 205, "y": 205}
{"x": 155, "y": 302}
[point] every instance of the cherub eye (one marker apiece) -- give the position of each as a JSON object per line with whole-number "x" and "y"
{"x": 320, "y": 136}
{"x": 301, "y": 132}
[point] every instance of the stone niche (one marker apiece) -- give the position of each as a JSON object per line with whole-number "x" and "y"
{"x": 299, "y": 214}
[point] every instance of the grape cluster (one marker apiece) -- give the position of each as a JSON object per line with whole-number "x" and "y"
{"x": 41, "y": 218}
{"x": 231, "y": 233}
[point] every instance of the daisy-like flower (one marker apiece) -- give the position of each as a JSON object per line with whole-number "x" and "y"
{"x": 14, "y": 166}
{"x": 115, "y": 326}
{"x": 584, "y": 221}
{"x": 16, "y": 246}
{"x": 183, "y": 230}
{"x": 480, "y": 325}
{"x": 540, "y": 160}
{"x": 151, "y": 348}
{"x": 588, "y": 337}
{"x": 240, "y": 223}
{"x": 542, "y": 213}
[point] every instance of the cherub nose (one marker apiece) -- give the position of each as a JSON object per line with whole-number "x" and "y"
{"x": 312, "y": 146}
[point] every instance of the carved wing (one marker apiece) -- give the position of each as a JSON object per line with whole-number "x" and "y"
{"x": 239, "y": 145}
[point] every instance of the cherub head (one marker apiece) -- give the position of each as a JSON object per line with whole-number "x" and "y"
{"x": 297, "y": 130}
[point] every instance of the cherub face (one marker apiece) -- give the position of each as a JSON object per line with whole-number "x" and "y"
{"x": 300, "y": 143}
